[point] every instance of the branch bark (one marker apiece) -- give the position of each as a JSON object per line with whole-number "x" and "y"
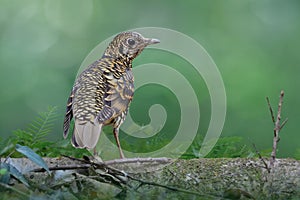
{"x": 181, "y": 179}
{"x": 277, "y": 127}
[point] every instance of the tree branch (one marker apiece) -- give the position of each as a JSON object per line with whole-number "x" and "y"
{"x": 137, "y": 160}
{"x": 69, "y": 167}
{"x": 261, "y": 158}
{"x": 117, "y": 173}
{"x": 277, "y": 127}
{"x": 271, "y": 110}
{"x": 143, "y": 182}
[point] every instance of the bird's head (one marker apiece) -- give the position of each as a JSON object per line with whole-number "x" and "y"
{"x": 128, "y": 45}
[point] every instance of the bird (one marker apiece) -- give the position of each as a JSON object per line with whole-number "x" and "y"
{"x": 102, "y": 93}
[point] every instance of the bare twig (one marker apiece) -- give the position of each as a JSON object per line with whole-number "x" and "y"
{"x": 261, "y": 158}
{"x": 68, "y": 167}
{"x": 277, "y": 128}
{"x": 117, "y": 173}
{"x": 271, "y": 110}
{"x": 142, "y": 182}
{"x": 7, "y": 157}
{"x": 283, "y": 123}
{"x": 138, "y": 160}
{"x": 102, "y": 166}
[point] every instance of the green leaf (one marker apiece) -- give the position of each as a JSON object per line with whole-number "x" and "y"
{"x": 30, "y": 154}
{"x": 3, "y": 171}
{"x": 4, "y": 178}
{"x": 15, "y": 173}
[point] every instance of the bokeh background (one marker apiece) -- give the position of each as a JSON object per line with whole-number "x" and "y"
{"x": 255, "y": 45}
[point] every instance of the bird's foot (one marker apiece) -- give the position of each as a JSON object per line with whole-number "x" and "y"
{"x": 96, "y": 157}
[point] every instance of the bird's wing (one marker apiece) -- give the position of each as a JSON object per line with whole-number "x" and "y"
{"x": 118, "y": 96}
{"x": 125, "y": 90}
{"x": 69, "y": 114}
{"x": 87, "y": 103}
{"x": 105, "y": 115}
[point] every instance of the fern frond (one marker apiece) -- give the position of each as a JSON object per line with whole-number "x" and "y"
{"x": 37, "y": 129}
{"x": 42, "y": 125}
{"x": 34, "y": 136}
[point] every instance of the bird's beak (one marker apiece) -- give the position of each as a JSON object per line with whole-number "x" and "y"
{"x": 149, "y": 41}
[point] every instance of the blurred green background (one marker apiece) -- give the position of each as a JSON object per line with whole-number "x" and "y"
{"x": 255, "y": 45}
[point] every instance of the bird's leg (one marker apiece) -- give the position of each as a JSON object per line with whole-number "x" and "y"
{"x": 116, "y": 134}
{"x": 95, "y": 151}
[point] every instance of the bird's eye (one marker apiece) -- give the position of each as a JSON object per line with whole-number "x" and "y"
{"x": 131, "y": 41}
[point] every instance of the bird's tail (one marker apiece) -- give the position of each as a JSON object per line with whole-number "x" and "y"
{"x": 69, "y": 115}
{"x": 86, "y": 135}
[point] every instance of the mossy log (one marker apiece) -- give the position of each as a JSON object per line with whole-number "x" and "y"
{"x": 219, "y": 178}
